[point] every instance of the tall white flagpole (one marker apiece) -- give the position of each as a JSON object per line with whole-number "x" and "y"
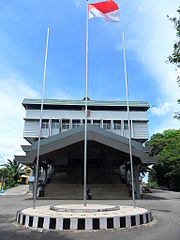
{"x": 129, "y": 125}
{"x": 40, "y": 122}
{"x": 85, "y": 126}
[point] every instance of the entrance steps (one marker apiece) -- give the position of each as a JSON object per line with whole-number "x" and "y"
{"x": 60, "y": 188}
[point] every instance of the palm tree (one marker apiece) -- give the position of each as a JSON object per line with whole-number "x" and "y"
{"x": 15, "y": 169}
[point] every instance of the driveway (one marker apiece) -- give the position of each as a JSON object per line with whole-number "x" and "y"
{"x": 165, "y": 206}
{"x": 16, "y": 191}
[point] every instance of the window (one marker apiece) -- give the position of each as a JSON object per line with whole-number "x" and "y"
{"x": 88, "y": 121}
{"x": 65, "y": 124}
{"x": 76, "y": 123}
{"x": 107, "y": 124}
{"x": 125, "y": 125}
{"x": 117, "y": 124}
{"x": 45, "y": 124}
{"x": 55, "y": 124}
{"x": 97, "y": 123}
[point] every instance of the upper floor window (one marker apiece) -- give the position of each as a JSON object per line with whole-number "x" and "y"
{"x": 107, "y": 124}
{"x": 55, "y": 124}
{"x": 125, "y": 125}
{"x": 97, "y": 123}
{"x": 65, "y": 124}
{"x": 88, "y": 121}
{"x": 117, "y": 124}
{"x": 76, "y": 123}
{"x": 45, "y": 124}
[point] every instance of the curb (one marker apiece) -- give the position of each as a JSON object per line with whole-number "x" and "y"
{"x": 62, "y": 224}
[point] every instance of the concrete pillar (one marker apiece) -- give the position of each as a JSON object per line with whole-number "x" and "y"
{"x": 70, "y": 127}
{"x": 101, "y": 124}
{"x": 50, "y": 124}
{"x": 137, "y": 183}
{"x": 122, "y": 128}
{"x": 132, "y": 131}
{"x": 112, "y": 125}
{"x": 31, "y": 179}
{"x": 60, "y": 125}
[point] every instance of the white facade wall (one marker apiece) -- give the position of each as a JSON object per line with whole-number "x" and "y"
{"x": 67, "y": 114}
{"x": 139, "y": 121}
{"x": 31, "y": 128}
{"x": 139, "y": 130}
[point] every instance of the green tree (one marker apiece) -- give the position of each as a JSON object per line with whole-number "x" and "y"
{"x": 175, "y": 56}
{"x": 166, "y": 149}
{"x": 152, "y": 181}
{"x": 3, "y": 175}
{"x": 15, "y": 170}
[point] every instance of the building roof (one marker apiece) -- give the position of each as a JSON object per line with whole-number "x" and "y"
{"x": 75, "y": 135}
{"x": 95, "y": 103}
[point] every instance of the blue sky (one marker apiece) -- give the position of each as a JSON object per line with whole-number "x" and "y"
{"x": 149, "y": 37}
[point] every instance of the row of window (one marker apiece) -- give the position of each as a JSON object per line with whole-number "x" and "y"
{"x": 77, "y": 122}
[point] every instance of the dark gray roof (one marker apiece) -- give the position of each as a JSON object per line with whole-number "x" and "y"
{"x": 61, "y": 102}
{"x": 62, "y": 140}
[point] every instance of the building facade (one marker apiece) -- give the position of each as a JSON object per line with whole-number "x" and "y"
{"x": 62, "y": 115}
{"x": 62, "y": 135}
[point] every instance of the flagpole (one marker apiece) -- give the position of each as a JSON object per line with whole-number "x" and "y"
{"x": 85, "y": 126}
{"x": 129, "y": 126}
{"x": 40, "y": 122}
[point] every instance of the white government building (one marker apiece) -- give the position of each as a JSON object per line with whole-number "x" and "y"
{"x": 61, "y": 152}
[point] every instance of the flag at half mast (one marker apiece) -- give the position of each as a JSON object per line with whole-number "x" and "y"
{"x": 108, "y": 10}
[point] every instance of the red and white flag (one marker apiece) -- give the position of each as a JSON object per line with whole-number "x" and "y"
{"x": 108, "y": 10}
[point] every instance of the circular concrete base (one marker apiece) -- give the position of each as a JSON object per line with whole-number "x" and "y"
{"x": 79, "y": 208}
{"x": 79, "y": 217}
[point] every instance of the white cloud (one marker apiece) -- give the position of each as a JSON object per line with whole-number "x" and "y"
{"x": 152, "y": 38}
{"x": 12, "y": 92}
{"x": 168, "y": 123}
{"x": 154, "y": 55}
{"x": 162, "y": 109}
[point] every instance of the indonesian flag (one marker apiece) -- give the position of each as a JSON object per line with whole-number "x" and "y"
{"x": 108, "y": 10}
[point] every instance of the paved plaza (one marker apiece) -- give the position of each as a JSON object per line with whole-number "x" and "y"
{"x": 165, "y": 207}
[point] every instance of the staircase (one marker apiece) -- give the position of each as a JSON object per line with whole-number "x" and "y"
{"x": 109, "y": 191}
{"x": 69, "y": 187}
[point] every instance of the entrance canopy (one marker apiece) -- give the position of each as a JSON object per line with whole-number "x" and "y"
{"x": 59, "y": 143}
